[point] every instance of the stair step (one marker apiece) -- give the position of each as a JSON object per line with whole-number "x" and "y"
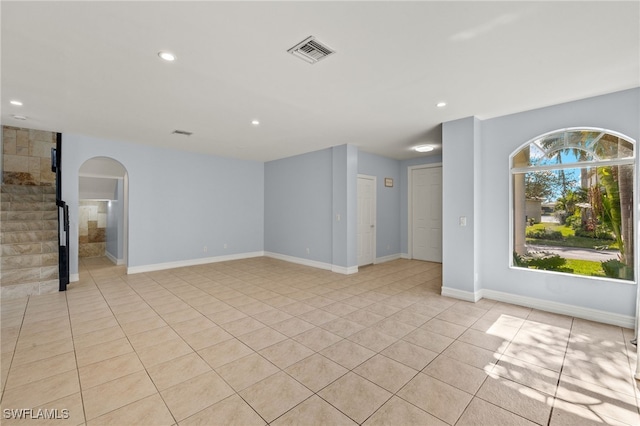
{"x": 9, "y": 263}
{"x": 19, "y": 206}
{"x": 28, "y": 275}
{"x": 27, "y": 198}
{"x": 40, "y": 215}
{"x": 28, "y": 237}
{"x": 27, "y": 189}
{"x": 30, "y": 248}
{"x": 28, "y": 225}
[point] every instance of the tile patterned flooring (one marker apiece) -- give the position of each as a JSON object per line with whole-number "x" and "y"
{"x": 261, "y": 341}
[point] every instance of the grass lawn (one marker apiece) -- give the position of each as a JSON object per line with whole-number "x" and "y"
{"x": 569, "y": 239}
{"x": 566, "y": 231}
{"x": 582, "y": 267}
{"x": 585, "y": 267}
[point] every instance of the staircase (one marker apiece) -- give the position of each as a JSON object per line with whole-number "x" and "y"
{"x": 29, "y": 241}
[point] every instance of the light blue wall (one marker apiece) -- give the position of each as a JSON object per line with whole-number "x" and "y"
{"x": 115, "y": 223}
{"x": 404, "y": 196}
{"x": 179, "y": 202}
{"x": 112, "y": 228}
{"x": 298, "y": 200}
{"x": 388, "y": 217}
{"x": 294, "y": 214}
{"x": 459, "y": 187}
{"x": 500, "y": 137}
{"x": 344, "y": 175}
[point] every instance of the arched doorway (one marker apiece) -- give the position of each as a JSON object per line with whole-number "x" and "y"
{"x": 103, "y": 203}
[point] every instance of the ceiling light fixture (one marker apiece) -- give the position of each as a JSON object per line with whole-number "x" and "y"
{"x": 167, "y": 56}
{"x": 255, "y": 122}
{"x": 424, "y": 148}
{"x": 441, "y": 104}
{"x": 20, "y": 117}
{"x": 15, "y": 102}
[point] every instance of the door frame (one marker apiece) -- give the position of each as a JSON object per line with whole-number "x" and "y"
{"x": 124, "y": 227}
{"x": 375, "y": 212}
{"x": 410, "y": 170}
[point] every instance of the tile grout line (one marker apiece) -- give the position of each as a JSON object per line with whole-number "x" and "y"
{"x": 75, "y": 355}
{"x": 15, "y": 348}
{"x": 135, "y": 351}
{"x": 564, "y": 358}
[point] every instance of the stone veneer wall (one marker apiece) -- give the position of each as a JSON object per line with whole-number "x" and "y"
{"x": 92, "y": 226}
{"x": 27, "y": 157}
{"x": 28, "y": 214}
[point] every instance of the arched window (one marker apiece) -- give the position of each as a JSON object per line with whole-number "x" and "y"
{"x": 573, "y": 192}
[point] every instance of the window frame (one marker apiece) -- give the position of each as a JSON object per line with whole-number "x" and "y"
{"x": 577, "y": 165}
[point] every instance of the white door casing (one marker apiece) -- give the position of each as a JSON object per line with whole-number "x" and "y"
{"x": 426, "y": 213}
{"x": 366, "y": 228}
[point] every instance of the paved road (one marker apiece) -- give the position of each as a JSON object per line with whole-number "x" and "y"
{"x": 577, "y": 253}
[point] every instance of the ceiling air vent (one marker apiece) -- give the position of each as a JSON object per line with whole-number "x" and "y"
{"x": 311, "y": 50}
{"x": 181, "y": 132}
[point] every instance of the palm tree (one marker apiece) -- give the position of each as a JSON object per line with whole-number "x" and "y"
{"x": 610, "y": 211}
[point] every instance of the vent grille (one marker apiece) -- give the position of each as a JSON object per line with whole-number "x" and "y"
{"x": 181, "y": 132}
{"x": 311, "y": 50}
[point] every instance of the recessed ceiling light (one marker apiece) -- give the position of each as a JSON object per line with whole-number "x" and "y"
{"x": 167, "y": 56}
{"x": 20, "y": 117}
{"x": 255, "y": 122}
{"x": 15, "y": 102}
{"x": 424, "y": 148}
{"x": 441, "y": 104}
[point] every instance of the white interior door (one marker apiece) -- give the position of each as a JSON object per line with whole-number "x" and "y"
{"x": 426, "y": 209}
{"x": 366, "y": 220}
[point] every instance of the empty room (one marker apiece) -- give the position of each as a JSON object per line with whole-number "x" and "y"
{"x": 319, "y": 213}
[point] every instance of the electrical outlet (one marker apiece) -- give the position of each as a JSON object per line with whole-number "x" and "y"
{"x": 225, "y": 245}
{"x": 204, "y": 249}
{"x": 308, "y": 251}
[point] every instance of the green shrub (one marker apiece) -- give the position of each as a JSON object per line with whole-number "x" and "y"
{"x": 574, "y": 221}
{"x": 600, "y": 232}
{"x": 520, "y": 260}
{"x": 615, "y": 269}
{"x": 544, "y": 234}
{"x": 539, "y": 260}
{"x": 548, "y": 262}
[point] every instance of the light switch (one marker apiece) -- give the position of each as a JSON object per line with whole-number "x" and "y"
{"x": 338, "y": 217}
{"x": 463, "y": 221}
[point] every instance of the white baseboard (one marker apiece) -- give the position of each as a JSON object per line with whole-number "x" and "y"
{"x": 543, "y": 305}
{"x": 74, "y": 278}
{"x": 299, "y": 260}
{"x": 313, "y": 263}
{"x": 404, "y": 256}
{"x": 344, "y": 270}
{"x": 561, "y": 308}
{"x": 387, "y": 258}
{"x": 461, "y": 294}
{"x": 191, "y": 262}
{"x": 113, "y": 259}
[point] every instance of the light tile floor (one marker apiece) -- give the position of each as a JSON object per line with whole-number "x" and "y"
{"x": 263, "y": 341}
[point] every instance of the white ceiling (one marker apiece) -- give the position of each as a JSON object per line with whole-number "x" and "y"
{"x": 92, "y": 68}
